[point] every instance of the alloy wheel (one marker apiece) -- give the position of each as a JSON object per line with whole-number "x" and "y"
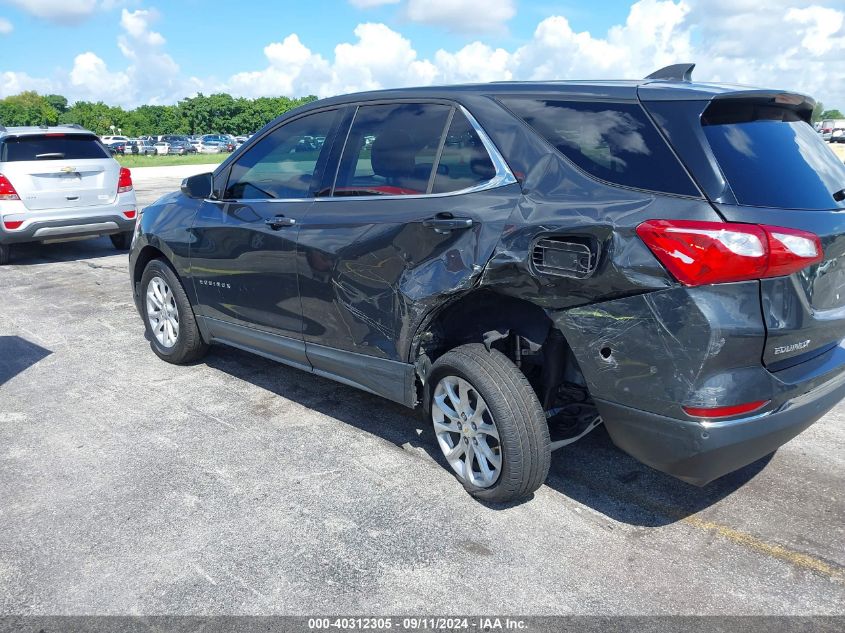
{"x": 466, "y": 432}
{"x": 162, "y": 312}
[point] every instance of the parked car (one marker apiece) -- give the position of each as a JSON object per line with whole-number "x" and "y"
{"x": 210, "y": 147}
{"x": 227, "y": 143}
{"x": 117, "y": 147}
{"x": 181, "y": 148}
{"x": 112, "y": 139}
{"x": 828, "y": 126}
{"x": 162, "y": 148}
{"x": 59, "y": 183}
{"x": 837, "y": 135}
{"x": 140, "y": 147}
{"x": 579, "y": 253}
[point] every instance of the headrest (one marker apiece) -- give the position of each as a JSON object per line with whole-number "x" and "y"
{"x": 393, "y": 154}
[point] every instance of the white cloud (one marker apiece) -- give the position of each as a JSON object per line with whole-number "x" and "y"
{"x": 92, "y": 80}
{"x": 380, "y": 57}
{"x": 137, "y": 26}
{"x": 788, "y": 45}
{"x": 819, "y": 27}
{"x": 5, "y": 26}
{"x": 369, "y": 4}
{"x": 63, "y": 11}
{"x": 791, "y": 44}
{"x": 476, "y": 62}
{"x": 152, "y": 76}
{"x": 12, "y": 83}
{"x": 462, "y": 15}
{"x": 652, "y": 36}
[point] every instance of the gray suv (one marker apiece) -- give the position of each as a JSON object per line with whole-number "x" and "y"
{"x": 61, "y": 183}
{"x": 524, "y": 261}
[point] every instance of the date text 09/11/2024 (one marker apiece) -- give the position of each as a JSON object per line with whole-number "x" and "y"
{"x": 418, "y": 623}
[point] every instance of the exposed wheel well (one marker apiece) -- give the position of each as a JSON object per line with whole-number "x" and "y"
{"x": 523, "y": 332}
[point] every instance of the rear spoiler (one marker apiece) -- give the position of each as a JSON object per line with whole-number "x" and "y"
{"x": 661, "y": 90}
{"x": 664, "y": 84}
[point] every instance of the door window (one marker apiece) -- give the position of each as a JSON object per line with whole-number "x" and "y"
{"x": 464, "y": 162}
{"x": 391, "y": 149}
{"x": 284, "y": 163}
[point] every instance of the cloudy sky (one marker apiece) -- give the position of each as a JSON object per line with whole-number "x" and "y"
{"x": 131, "y": 52}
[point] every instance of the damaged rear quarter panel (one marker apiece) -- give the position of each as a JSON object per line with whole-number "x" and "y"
{"x": 678, "y": 346}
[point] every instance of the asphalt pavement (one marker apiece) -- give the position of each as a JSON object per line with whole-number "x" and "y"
{"x": 240, "y": 486}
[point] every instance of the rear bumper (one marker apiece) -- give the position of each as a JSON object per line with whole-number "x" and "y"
{"x": 59, "y": 224}
{"x": 699, "y": 452}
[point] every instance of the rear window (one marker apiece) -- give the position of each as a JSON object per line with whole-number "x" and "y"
{"x": 52, "y": 147}
{"x": 615, "y": 142}
{"x": 771, "y": 157}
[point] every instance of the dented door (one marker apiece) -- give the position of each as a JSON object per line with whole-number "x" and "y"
{"x": 371, "y": 268}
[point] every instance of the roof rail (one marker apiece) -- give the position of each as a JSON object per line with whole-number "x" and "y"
{"x": 73, "y": 125}
{"x": 675, "y": 72}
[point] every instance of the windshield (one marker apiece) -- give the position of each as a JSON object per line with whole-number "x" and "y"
{"x": 772, "y": 158}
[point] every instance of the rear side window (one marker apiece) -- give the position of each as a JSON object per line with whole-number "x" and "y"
{"x": 615, "y": 142}
{"x": 391, "y": 149}
{"x": 771, "y": 157}
{"x": 52, "y": 147}
{"x": 464, "y": 162}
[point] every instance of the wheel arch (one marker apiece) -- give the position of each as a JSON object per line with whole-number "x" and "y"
{"x": 518, "y": 328}
{"x": 468, "y": 318}
{"x": 147, "y": 254}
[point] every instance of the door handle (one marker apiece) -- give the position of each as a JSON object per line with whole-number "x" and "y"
{"x": 446, "y": 222}
{"x": 279, "y": 222}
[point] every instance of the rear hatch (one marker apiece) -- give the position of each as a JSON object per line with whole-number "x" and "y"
{"x": 59, "y": 171}
{"x": 761, "y": 162}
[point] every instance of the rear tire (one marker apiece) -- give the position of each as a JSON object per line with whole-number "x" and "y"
{"x": 514, "y": 429}
{"x": 5, "y": 254}
{"x": 121, "y": 241}
{"x": 164, "y": 305}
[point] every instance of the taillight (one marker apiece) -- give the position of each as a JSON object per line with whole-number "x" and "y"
{"x": 724, "y": 412}
{"x": 124, "y": 181}
{"x": 791, "y": 250}
{"x": 129, "y": 214}
{"x": 7, "y": 191}
{"x": 12, "y": 224}
{"x": 697, "y": 253}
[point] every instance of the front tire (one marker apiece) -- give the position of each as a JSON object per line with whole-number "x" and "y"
{"x": 489, "y": 424}
{"x": 168, "y": 316}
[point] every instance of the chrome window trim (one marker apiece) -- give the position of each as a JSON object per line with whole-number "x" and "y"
{"x": 503, "y": 177}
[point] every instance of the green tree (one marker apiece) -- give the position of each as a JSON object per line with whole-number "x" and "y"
{"x": 57, "y": 102}
{"x": 200, "y": 114}
{"x": 831, "y": 114}
{"x": 27, "y": 108}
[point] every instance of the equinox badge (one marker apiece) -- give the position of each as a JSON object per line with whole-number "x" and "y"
{"x": 785, "y": 349}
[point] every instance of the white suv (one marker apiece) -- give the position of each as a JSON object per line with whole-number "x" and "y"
{"x": 61, "y": 183}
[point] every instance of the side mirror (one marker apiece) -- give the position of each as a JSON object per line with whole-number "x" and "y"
{"x": 199, "y": 186}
